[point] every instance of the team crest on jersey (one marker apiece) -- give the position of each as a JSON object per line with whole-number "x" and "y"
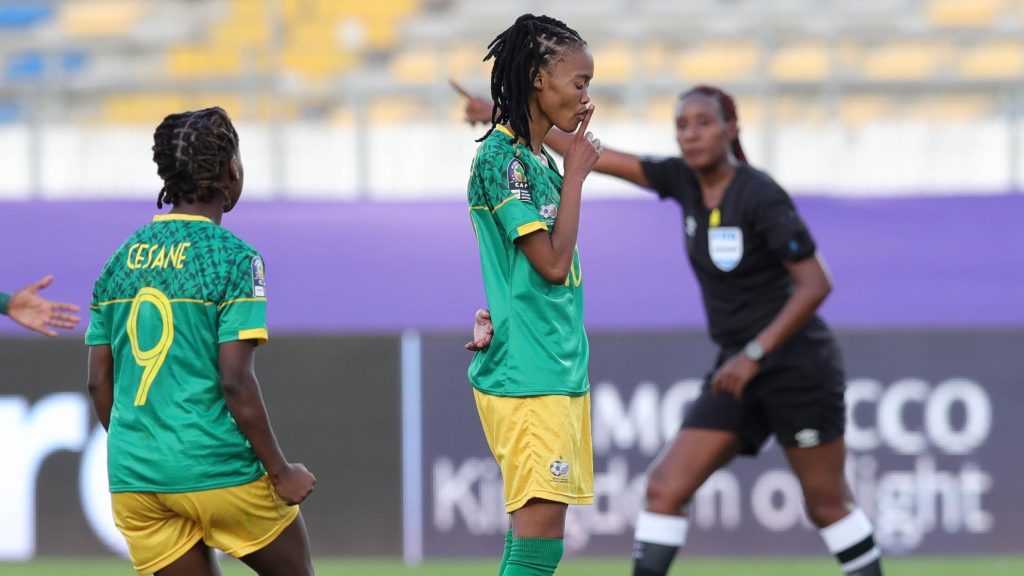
{"x": 725, "y": 246}
{"x": 517, "y": 182}
{"x": 259, "y": 278}
{"x": 560, "y": 469}
{"x": 549, "y": 211}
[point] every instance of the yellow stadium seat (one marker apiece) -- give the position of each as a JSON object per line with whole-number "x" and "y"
{"x": 92, "y": 18}
{"x": 717, "y": 62}
{"x": 395, "y": 110}
{"x": 858, "y": 109}
{"x": 318, "y": 62}
{"x": 964, "y": 13}
{"x": 420, "y": 66}
{"x": 613, "y": 62}
{"x": 1002, "y": 60}
{"x": 950, "y": 108}
{"x": 147, "y": 109}
{"x": 801, "y": 63}
{"x": 905, "y": 61}
{"x": 465, "y": 62}
{"x": 199, "y": 61}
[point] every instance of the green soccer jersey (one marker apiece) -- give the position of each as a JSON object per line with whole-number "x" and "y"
{"x": 177, "y": 288}
{"x": 539, "y": 345}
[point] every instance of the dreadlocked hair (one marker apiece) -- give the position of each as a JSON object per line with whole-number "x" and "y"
{"x": 727, "y": 108}
{"x": 519, "y": 53}
{"x": 191, "y": 150}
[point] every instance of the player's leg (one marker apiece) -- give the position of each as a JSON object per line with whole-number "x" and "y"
{"x": 198, "y": 561}
{"x": 807, "y": 411}
{"x": 677, "y": 473}
{"x": 251, "y": 523}
{"x": 542, "y": 446}
{"x": 160, "y": 540}
{"x": 538, "y": 532}
{"x": 845, "y": 528}
{"x": 507, "y": 549}
{"x": 286, "y": 555}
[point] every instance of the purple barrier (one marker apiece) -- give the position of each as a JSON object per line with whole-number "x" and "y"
{"x": 379, "y": 266}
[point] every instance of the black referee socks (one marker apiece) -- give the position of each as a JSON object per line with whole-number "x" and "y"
{"x": 658, "y": 538}
{"x": 852, "y": 542}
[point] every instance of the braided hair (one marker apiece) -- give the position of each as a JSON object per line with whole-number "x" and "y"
{"x": 190, "y": 150}
{"x": 726, "y": 108}
{"x": 519, "y": 53}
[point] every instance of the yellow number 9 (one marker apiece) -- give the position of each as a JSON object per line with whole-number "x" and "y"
{"x": 151, "y": 360}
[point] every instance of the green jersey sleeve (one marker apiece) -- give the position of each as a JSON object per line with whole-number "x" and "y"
{"x": 243, "y": 313}
{"x": 510, "y": 195}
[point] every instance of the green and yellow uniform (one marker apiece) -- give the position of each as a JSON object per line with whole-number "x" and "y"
{"x": 531, "y": 382}
{"x": 539, "y": 345}
{"x": 171, "y": 294}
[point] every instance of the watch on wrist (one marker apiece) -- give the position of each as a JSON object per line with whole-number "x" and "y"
{"x": 754, "y": 350}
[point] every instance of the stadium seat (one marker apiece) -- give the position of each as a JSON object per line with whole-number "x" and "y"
{"x": 24, "y": 15}
{"x": 964, "y": 13}
{"x": 100, "y": 18}
{"x": 905, "y": 61}
{"x": 997, "y": 60}
{"x": 717, "y": 62}
{"x": 806, "y": 62}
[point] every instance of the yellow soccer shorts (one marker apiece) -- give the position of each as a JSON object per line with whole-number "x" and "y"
{"x": 542, "y": 445}
{"x": 160, "y": 528}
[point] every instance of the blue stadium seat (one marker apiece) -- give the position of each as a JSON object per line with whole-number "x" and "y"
{"x": 33, "y": 65}
{"x": 25, "y": 14}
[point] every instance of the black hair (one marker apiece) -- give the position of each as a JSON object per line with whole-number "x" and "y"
{"x": 519, "y": 53}
{"x": 190, "y": 150}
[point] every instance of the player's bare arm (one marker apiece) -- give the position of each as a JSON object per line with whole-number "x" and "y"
{"x": 245, "y": 402}
{"x": 101, "y": 382}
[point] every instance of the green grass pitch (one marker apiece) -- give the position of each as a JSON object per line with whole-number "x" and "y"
{"x": 956, "y": 566}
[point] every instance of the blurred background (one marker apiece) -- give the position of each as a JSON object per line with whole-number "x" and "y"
{"x": 896, "y": 124}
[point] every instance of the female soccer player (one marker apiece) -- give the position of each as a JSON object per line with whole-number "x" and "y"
{"x": 28, "y": 308}
{"x": 778, "y": 370}
{"x": 176, "y": 315}
{"x": 530, "y": 384}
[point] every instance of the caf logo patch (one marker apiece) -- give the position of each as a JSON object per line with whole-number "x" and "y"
{"x": 517, "y": 182}
{"x": 259, "y": 278}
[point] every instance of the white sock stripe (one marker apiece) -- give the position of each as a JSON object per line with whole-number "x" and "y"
{"x": 864, "y": 559}
{"x": 661, "y": 529}
{"x": 853, "y": 528}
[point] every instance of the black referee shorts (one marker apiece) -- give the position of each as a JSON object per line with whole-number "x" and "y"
{"x": 797, "y": 396}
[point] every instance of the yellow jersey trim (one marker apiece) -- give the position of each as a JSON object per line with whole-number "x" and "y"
{"x": 471, "y": 208}
{"x": 127, "y": 300}
{"x": 505, "y": 201}
{"x": 230, "y": 302}
{"x": 259, "y": 334}
{"x": 531, "y": 227}
{"x": 505, "y": 130}
{"x": 186, "y": 217}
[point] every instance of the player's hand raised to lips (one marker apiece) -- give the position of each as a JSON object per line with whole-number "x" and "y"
{"x": 584, "y": 151}
{"x": 294, "y": 483}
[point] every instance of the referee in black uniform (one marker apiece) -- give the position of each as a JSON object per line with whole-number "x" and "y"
{"x": 779, "y": 370}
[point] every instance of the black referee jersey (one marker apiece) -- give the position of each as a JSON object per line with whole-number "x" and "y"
{"x": 738, "y": 248}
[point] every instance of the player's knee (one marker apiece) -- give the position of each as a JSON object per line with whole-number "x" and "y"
{"x": 666, "y": 495}
{"x": 825, "y": 512}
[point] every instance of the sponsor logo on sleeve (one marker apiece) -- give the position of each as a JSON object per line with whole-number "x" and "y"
{"x": 259, "y": 278}
{"x": 517, "y": 182}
